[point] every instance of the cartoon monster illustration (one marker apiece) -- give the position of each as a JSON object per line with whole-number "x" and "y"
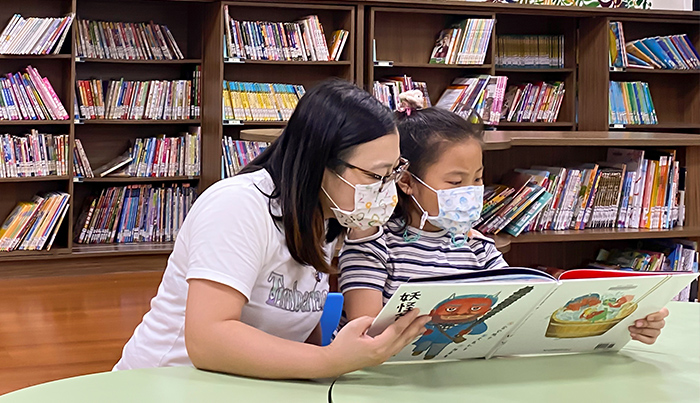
{"x": 452, "y": 319}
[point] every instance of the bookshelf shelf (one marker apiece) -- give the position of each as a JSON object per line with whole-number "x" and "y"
{"x": 535, "y": 124}
{"x": 80, "y": 61}
{"x": 601, "y": 139}
{"x": 34, "y": 122}
{"x": 289, "y": 63}
{"x": 123, "y": 249}
{"x": 36, "y": 57}
{"x": 139, "y": 122}
{"x": 439, "y": 66}
{"x": 506, "y": 70}
{"x": 137, "y": 179}
{"x": 51, "y": 178}
{"x": 265, "y": 135}
{"x": 672, "y": 126}
{"x": 22, "y": 255}
{"x": 245, "y": 123}
{"x": 603, "y": 234}
{"x": 654, "y": 71}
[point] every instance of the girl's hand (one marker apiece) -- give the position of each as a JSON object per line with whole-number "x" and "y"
{"x": 647, "y": 330}
{"x": 352, "y": 349}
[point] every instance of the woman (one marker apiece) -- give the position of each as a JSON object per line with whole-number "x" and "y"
{"x": 245, "y": 285}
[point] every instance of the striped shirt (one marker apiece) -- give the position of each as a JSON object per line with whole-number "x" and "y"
{"x": 385, "y": 260}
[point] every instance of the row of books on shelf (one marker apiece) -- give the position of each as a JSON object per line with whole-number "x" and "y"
{"x": 655, "y": 255}
{"x": 674, "y": 52}
{"x": 387, "y": 90}
{"x": 34, "y": 35}
{"x": 533, "y": 102}
{"x": 302, "y": 40}
{"x": 136, "y": 100}
{"x": 29, "y": 96}
{"x": 632, "y": 189}
{"x": 153, "y": 157}
{"x": 530, "y": 51}
{"x": 238, "y": 153}
{"x": 125, "y": 41}
{"x": 631, "y": 103}
{"x": 489, "y": 96}
{"x": 33, "y": 225}
{"x": 34, "y": 154}
{"x": 465, "y": 42}
{"x": 134, "y": 213}
{"x": 260, "y": 101}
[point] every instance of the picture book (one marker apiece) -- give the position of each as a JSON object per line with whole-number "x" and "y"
{"x": 521, "y": 311}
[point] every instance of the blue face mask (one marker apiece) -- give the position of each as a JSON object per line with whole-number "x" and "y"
{"x": 459, "y": 208}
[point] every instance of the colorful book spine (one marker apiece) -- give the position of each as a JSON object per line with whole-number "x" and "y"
{"x": 237, "y": 154}
{"x": 126, "y": 41}
{"x": 136, "y": 100}
{"x": 33, "y": 225}
{"x": 245, "y": 101}
{"x": 29, "y": 96}
{"x": 33, "y": 154}
{"x": 630, "y": 103}
{"x": 34, "y": 35}
{"x": 135, "y": 213}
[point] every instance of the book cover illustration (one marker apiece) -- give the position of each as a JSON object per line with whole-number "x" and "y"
{"x": 460, "y": 316}
{"x": 467, "y": 320}
{"x": 590, "y": 315}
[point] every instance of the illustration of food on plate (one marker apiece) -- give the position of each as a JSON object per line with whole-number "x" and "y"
{"x": 590, "y": 315}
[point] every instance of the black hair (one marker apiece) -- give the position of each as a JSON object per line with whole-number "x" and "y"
{"x": 328, "y": 122}
{"x": 425, "y": 134}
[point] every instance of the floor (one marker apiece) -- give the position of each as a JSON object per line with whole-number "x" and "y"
{"x": 57, "y": 327}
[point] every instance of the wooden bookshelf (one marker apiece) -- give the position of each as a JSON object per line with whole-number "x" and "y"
{"x": 405, "y": 32}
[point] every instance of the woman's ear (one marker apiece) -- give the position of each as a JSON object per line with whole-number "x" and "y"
{"x": 405, "y": 184}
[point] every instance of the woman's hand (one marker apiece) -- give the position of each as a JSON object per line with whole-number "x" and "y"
{"x": 647, "y": 330}
{"x": 352, "y": 349}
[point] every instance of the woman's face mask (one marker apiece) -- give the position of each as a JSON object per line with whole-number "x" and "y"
{"x": 374, "y": 205}
{"x": 458, "y": 207}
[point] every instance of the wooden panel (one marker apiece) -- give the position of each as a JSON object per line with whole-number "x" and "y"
{"x": 212, "y": 78}
{"x": 593, "y": 74}
{"x": 68, "y": 265}
{"x": 55, "y": 328}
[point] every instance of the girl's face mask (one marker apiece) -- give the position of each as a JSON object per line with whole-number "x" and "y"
{"x": 459, "y": 208}
{"x": 374, "y": 205}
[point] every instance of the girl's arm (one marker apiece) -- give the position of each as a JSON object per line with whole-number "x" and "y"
{"x": 217, "y": 340}
{"x": 362, "y": 302}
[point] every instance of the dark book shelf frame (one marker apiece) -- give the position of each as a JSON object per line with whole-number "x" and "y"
{"x": 405, "y": 31}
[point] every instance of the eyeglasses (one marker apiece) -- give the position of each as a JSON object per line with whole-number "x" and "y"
{"x": 394, "y": 175}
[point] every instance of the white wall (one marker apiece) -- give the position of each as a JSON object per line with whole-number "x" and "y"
{"x": 672, "y": 4}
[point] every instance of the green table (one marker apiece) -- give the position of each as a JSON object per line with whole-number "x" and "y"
{"x": 669, "y": 371}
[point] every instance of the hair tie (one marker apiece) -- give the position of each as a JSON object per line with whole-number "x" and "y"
{"x": 409, "y": 101}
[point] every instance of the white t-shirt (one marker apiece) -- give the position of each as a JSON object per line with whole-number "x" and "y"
{"x": 230, "y": 237}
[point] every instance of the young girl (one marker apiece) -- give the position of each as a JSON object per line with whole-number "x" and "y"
{"x": 430, "y": 232}
{"x": 246, "y": 283}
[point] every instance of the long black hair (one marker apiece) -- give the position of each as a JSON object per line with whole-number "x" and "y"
{"x": 328, "y": 122}
{"x": 425, "y": 134}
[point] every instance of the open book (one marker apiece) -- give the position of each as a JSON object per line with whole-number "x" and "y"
{"x": 520, "y": 311}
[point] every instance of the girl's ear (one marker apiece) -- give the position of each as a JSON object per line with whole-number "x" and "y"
{"x": 405, "y": 184}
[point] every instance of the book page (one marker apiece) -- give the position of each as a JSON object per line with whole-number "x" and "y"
{"x": 468, "y": 319}
{"x": 587, "y": 315}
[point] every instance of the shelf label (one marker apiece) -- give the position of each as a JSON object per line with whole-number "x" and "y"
{"x": 618, "y": 126}
{"x": 78, "y": 122}
{"x": 234, "y": 60}
{"x": 233, "y": 123}
{"x": 79, "y": 59}
{"x": 383, "y": 63}
{"x": 616, "y": 69}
